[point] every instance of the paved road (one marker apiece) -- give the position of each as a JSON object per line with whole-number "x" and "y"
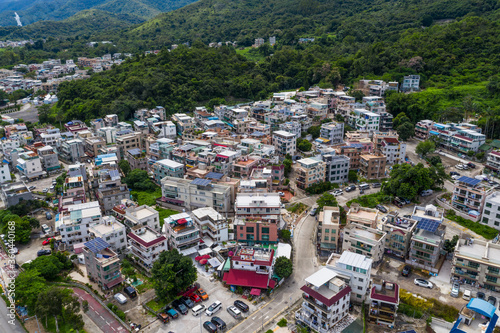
{"x": 305, "y": 264}
{"x": 5, "y": 326}
{"x": 28, "y": 113}
{"x": 100, "y": 316}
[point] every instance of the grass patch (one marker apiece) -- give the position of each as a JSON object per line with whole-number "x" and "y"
{"x": 116, "y": 311}
{"x": 411, "y": 305}
{"x": 298, "y": 208}
{"x": 51, "y": 325}
{"x": 156, "y": 305}
{"x": 282, "y": 322}
{"x": 480, "y": 229}
{"x": 251, "y": 53}
{"x": 370, "y": 200}
{"x": 164, "y": 213}
{"x": 146, "y": 198}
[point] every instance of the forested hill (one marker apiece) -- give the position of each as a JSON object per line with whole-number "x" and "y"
{"x": 31, "y": 11}
{"x": 245, "y": 20}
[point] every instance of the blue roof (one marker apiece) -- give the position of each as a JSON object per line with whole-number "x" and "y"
{"x": 214, "y": 175}
{"x": 134, "y": 151}
{"x": 356, "y": 145}
{"x": 201, "y": 182}
{"x": 96, "y": 245}
{"x": 469, "y": 181}
{"x": 482, "y": 307}
{"x": 429, "y": 225}
{"x": 257, "y": 133}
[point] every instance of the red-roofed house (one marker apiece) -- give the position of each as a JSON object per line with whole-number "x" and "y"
{"x": 394, "y": 150}
{"x": 146, "y": 245}
{"x": 384, "y": 301}
{"x": 326, "y": 302}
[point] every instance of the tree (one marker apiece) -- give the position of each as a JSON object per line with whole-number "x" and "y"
{"x": 352, "y": 176}
{"x": 124, "y": 167}
{"x": 287, "y": 163}
{"x": 48, "y": 266}
{"x": 449, "y": 245}
{"x": 283, "y": 267}
{"x": 85, "y": 306}
{"x": 139, "y": 180}
{"x": 427, "y": 20}
{"x": 400, "y": 119}
{"x": 29, "y": 284}
{"x": 172, "y": 273}
{"x": 425, "y": 147}
{"x": 285, "y": 235}
{"x": 60, "y": 303}
{"x": 304, "y": 145}
{"x": 434, "y": 160}
{"x": 358, "y": 94}
{"x": 314, "y": 131}
{"x": 406, "y": 131}
{"x": 326, "y": 199}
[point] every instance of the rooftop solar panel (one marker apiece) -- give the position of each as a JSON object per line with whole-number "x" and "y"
{"x": 469, "y": 181}
{"x": 429, "y": 225}
{"x": 214, "y": 175}
{"x": 201, "y": 182}
{"x": 96, "y": 245}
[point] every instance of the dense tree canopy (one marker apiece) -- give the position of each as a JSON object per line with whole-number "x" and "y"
{"x": 283, "y": 267}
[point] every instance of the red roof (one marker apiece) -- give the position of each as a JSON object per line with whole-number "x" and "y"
{"x": 391, "y": 140}
{"x": 497, "y": 153}
{"x": 323, "y": 299}
{"x": 386, "y": 298}
{"x": 114, "y": 282}
{"x": 236, "y": 277}
{"x": 463, "y": 137}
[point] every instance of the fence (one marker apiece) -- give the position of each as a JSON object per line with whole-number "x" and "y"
{"x": 446, "y": 205}
{"x": 442, "y": 323}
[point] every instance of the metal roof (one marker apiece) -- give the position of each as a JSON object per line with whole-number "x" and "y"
{"x": 429, "y": 225}
{"x": 355, "y": 260}
{"x": 469, "y": 181}
{"x": 321, "y": 277}
{"x": 96, "y": 245}
{"x": 201, "y": 182}
{"x": 214, "y": 175}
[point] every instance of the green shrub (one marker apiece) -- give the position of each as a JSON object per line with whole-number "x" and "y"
{"x": 282, "y": 322}
{"x": 480, "y": 229}
{"x": 370, "y": 200}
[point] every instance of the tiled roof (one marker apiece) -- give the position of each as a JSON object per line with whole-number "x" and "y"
{"x": 323, "y": 299}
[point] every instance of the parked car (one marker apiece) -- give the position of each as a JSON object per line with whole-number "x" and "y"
{"x": 45, "y": 229}
{"x": 481, "y": 295}
{"x": 492, "y": 300}
{"x": 241, "y": 305}
{"x": 48, "y": 216}
{"x": 459, "y": 166}
{"x": 234, "y": 312}
{"x": 375, "y": 185}
{"x": 398, "y": 203}
{"x": 313, "y": 211}
{"x": 467, "y": 294}
{"x": 120, "y": 298}
{"x": 426, "y": 193}
{"x": 213, "y": 308}
{"x": 171, "y": 312}
{"x": 210, "y": 327}
{"x": 45, "y": 190}
{"x": 47, "y": 241}
{"x": 130, "y": 291}
{"x": 381, "y": 208}
{"x": 32, "y": 187}
{"x": 195, "y": 298}
{"x": 187, "y": 301}
{"x": 423, "y": 283}
{"x": 455, "y": 290}
{"x": 179, "y": 306}
{"x": 350, "y": 188}
{"x": 203, "y": 294}
{"x": 406, "y": 270}
{"x": 163, "y": 317}
{"x": 43, "y": 253}
{"x": 221, "y": 325}
{"x": 455, "y": 177}
{"x": 338, "y": 192}
{"x": 454, "y": 173}
{"x": 471, "y": 165}
{"x": 281, "y": 194}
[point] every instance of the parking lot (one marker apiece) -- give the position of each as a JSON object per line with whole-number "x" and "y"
{"x": 28, "y": 251}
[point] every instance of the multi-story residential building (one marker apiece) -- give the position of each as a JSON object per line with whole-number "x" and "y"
{"x": 355, "y": 269}
{"x": 146, "y": 244}
{"x": 167, "y": 168}
{"x": 394, "y": 150}
{"x": 469, "y": 195}
{"x": 29, "y": 165}
{"x": 9, "y": 144}
{"x": 309, "y": 171}
{"x": 467, "y": 140}
{"x": 385, "y": 121}
{"x": 252, "y": 268}
{"x": 477, "y": 262}
{"x": 112, "y": 231}
{"x": 73, "y": 224}
{"x": 50, "y": 137}
{"x": 182, "y": 233}
{"x": 285, "y": 143}
{"x": 326, "y": 300}
{"x": 136, "y": 159}
{"x": 223, "y": 162}
{"x": 334, "y": 132}
{"x": 422, "y": 129}
{"x": 257, "y": 217}
{"x": 102, "y": 263}
{"x": 384, "y": 302}
{"x": 367, "y": 217}
{"x": 4, "y": 173}
{"x": 192, "y": 194}
{"x": 291, "y": 127}
{"x": 243, "y": 167}
{"x": 14, "y": 193}
{"x": 142, "y": 216}
{"x": 165, "y": 129}
{"x": 399, "y": 231}
{"x": 336, "y": 167}
{"x": 72, "y": 150}
{"x": 183, "y": 122}
{"x": 353, "y": 152}
{"x": 363, "y": 240}
{"x": 212, "y": 224}
{"x": 411, "y": 83}
{"x": 329, "y": 229}
{"x": 426, "y": 243}
{"x": 491, "y": 211}
{"x": 92, "y": 145}
{"x": 364, "y": 120}
{"x": 128, "y": 141}
{"x": 49, "y": 158}
{"x": 374, "y": 104}
{"x": 493, "y": 160}
{"x": 372, "y": 166}
{"x": 110, "y": 190}
{"x": 274, "y": 174}
{"x": 108, "y": 134}
{"x": 142, "y": 126}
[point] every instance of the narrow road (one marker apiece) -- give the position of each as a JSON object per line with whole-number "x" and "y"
{"x": 305, "y": 264}
{"x": 6, "y": 324}
{"x": 100, "y": 316}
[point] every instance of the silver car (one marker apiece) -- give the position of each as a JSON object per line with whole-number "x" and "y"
{"x": 455, "y": 290}
{"x": 423, "y": 283}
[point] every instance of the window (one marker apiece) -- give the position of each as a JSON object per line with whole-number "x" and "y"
{"x": 360, "y": 280}
{"x": 485, "y": 220}
{"x": 488, "y": 205}
{"x": 265, "y": 231}
{"x": 250, "y": 229}
{"x": 326, "y": 238}
{"x": 327, "y": 231}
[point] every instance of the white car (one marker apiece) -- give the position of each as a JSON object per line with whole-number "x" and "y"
{"x": 455, "y": 177}
{"x": 423, "y": 283}
{"x": 337, "y": 193}
{"x": 281, "y": 194}
{"x": 459, "y": 166}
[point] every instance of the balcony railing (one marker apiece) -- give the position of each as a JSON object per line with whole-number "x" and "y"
{"x": 313, "y": 302}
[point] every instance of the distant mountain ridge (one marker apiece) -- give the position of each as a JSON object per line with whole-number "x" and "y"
{"x": 32, "y": 11}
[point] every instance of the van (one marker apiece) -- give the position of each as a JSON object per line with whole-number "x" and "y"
{"x": 212, "y": 309}
{"x": 120, "y": 298}
{"x": 426, "y": 193}
{"x": 234, "y": 312}
{"x": 364, "y": 187}
{"x": 467, "y": 295}
{"x": 130, "y": 291}
{"x": 197, "y": 310}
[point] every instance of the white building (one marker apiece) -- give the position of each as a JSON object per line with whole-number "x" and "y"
{"x": 211, "y": 224}
{"x": 363, "y": 120}
{"x": 491, "y": 215}
{"x": 51, "y": 137}
{"x": 30, "y": 165}
{"x": 326, "y": 300}
{"x": 293, "y": 127}
{"x": 285, "y": 143}
{"x": 4, "y": 173}
{"x": 182, "y": 233}
{"x": 112, "y": 231}
{"x": 394, "y": 150}
{"x": 73, "y": 225}
{"x": 411, "y": 83}
{"x": 166, "y": 167}
{"x": 108, "y": 133}
{"x": 334, "y": 132}
{"x": 145, "y": 245}
{"x": 9, "y": 144}
{"x": 142, "y": 216}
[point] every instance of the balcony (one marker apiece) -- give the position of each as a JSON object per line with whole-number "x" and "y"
{"x": 312, "y": 301}
{"x": 460, "y": 272}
